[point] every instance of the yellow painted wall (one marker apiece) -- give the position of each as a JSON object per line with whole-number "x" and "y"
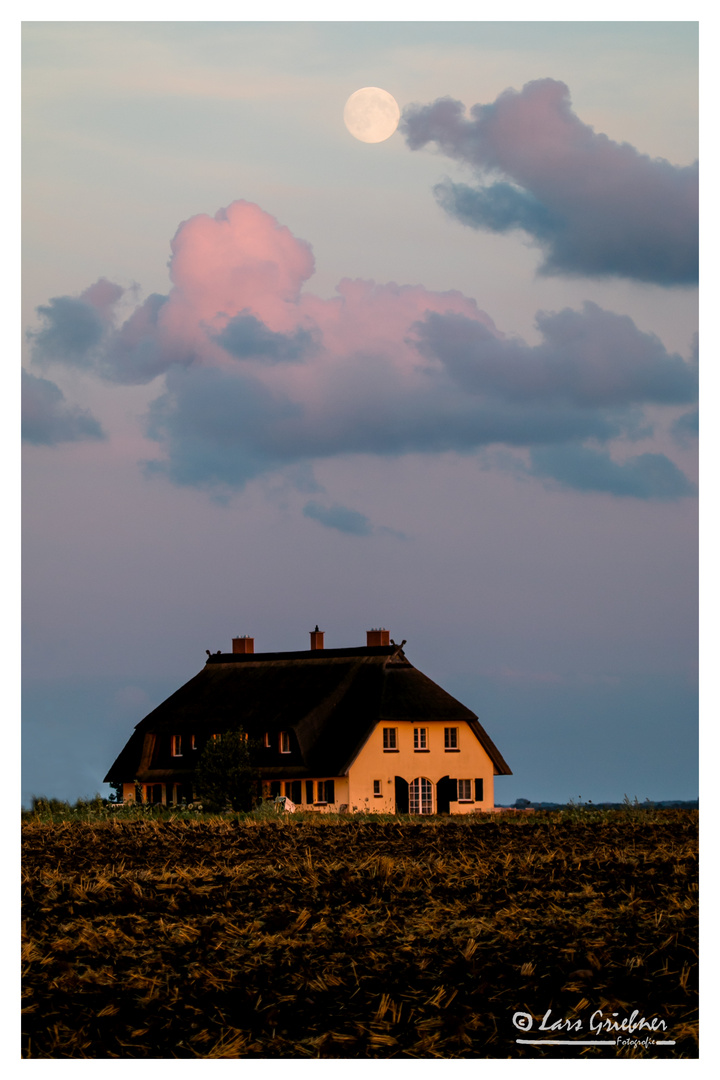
{"x": 373, "y": 763}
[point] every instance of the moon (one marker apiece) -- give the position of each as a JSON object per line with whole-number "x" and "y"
{"x": 371, "y": 114}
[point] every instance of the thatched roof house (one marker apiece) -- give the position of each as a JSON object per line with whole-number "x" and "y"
{"x": 328, "y": 717}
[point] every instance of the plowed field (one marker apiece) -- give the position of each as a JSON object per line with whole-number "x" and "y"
{"x": 218, "y": 939}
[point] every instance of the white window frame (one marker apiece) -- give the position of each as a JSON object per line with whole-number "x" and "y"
{"x": 420, "y": 794}
{"x": 390, "y": 738}
{"x": 466, "y": 787}
{"x": 285, "y": 742}
{"x": 377, "y": 789}
{"x": 451, "y": 738}
{"x": 420, "y": 738}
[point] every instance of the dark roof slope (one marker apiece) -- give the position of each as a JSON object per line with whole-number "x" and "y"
{"x": 329, "y": 699}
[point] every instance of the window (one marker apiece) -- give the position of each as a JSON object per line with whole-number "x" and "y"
{"x": 275, "y": 786}
{"x": 451, "y": 738}
{"x": 293, "y": 791}
{"x": 284, "y": 742}
{"x": 389, "y": 739}
{"x": 309, "y": 792}
{"x": 193, "y": 742}
{"x": 464, "y": 791}
{"x": 216, "y": 737}
{"x": 377, "y": 788}
{"x": 176, "y": 745}
{"x": 326, "y": 791}
{"x": 420, "y": 737}
{"x": 479, "y": 790}
{"x": 266, "y": 741}
{"x": 421, "y": 796}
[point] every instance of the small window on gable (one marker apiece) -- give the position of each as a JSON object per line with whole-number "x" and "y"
{"x": 420, "y": 738}
{"x": 176, "y": 745}
{"x": 377, "y": 788}
{"x": 451, "y": 738}
{"x": 464, "y": 791}
{"x": 216, "y": 737}
{"x": 193, "y": 742}
{"x": 389, "y": 738}
{"x": 284, "y": 742}
{"x": 266, "y": 740}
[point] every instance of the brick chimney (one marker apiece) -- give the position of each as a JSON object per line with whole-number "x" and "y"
{"x": 378, "y": 637}
{"x": 317, "y": 638}
{"x": 243, "y": 644}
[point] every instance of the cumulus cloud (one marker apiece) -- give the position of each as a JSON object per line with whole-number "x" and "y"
{"x": 595, "y": 207}
{"x": 47, "y": 420}
{"x": 257, "y": 375}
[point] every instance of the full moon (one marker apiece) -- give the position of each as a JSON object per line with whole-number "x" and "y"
{"x": 371, "y": 114}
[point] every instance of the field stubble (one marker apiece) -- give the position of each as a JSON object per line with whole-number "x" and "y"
{"x": 221, "y": 939}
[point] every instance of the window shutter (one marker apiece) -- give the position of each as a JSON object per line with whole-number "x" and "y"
{"x": 478, "y": 790}
{"x": 329, "y": 791}
{"x": 452, "y": 790}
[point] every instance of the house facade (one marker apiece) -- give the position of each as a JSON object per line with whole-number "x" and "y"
{"x": 357, "y": 729}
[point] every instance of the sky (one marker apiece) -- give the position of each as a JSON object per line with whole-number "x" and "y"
{"x": 276, "y": 377}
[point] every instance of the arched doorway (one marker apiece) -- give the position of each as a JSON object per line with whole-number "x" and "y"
{"x": 421, "y": 796}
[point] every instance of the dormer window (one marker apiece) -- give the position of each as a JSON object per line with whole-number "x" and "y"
{"x": 284, "y": 742}
{"x": 176, "y": 745}
{"x": 266, "y": 740}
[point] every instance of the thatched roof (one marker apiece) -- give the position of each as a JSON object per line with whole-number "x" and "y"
{"x": 329, "y": 700}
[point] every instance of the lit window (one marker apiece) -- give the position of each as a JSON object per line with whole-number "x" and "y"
{"x": 421, "y": 796}
{"x": 377, "y": 788}
{"x": 464, "y": 791}
{"x": 420, "y": 736}
{"x": 326, "y": 791}
{"x": 284, "y": 742}
{"x": 389, "y": 738}
{"x": 176, "y": 745}
{"x": 451, "y": 738}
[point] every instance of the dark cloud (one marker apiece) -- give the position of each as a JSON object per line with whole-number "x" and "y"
{"x": 647, "y": 476}
{"x": 341, "y": 518}
{"x": 219, "y": 428}
{"x": 590, "y": 358}
{"x": 73, "y": 327}
{"x": 687, "y": 427}
{"x": 248, "y": 338}
{"x": 595, "y": 207}
{"x": 136, "y": 353}
{"x": 47, "y": 420}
